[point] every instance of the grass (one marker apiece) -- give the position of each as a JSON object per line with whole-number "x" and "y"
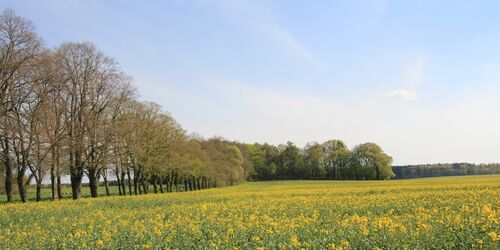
{"x": 66, "y": 191}
{"x": 431, "y": 213}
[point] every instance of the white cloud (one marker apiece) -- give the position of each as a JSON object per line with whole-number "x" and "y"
{"x": 404, "y": 94}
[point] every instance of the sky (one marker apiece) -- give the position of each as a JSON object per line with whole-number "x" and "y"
{"x": 419, "y": 78}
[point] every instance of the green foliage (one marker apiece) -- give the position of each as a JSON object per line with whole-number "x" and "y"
{"x": 330, "y": 160}
{"x": 371, "y": 162}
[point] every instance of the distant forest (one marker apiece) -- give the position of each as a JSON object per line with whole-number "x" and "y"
{"x": 449, "y": 169}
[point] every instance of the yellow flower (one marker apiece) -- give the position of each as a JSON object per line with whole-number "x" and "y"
{"x": 486, "y": 210}
{"x": 494, "y": 236}
{"x": 256, "y": 238}
{"x": 480, "y": 242}
{"x": 294, "y": 240}
{"x": 157, "y": 231}
{"x": 99, "y": 243}
{"x": 345, "y": 244}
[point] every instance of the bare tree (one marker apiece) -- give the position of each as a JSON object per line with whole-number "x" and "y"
{"x": 19, "y": 46}
{"x": 77, "y": 68}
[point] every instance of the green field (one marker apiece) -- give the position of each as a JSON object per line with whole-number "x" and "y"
{"x": 66, "y": 191}
{"x": 432, "y": 213}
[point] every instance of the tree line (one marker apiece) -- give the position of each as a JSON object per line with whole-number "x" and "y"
{"x": 331, "y": 160}
{"x": 448, "y": 169}
{"x": 71, "y": 111}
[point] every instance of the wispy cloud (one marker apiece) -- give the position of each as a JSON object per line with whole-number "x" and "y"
{"x": 403, "y": 94}
{"x": 286, "y": 38}
{"x": 259, "y": 16}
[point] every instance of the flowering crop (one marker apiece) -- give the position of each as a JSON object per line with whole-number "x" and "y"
{"x": 437, "y": 213}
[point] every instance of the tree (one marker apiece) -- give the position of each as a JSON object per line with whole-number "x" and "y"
{"x": 41, "y": 130}
{"x": 247, "y": 162}
{"x": 52, "y": 123}
{"x": 257, "y": 157}
{"x": 372, "y": 162}
{"x": 267, "y": 157}
{"x": 93, "y": 89}
{"x": 291, "y": 166}
{"x": 314, "y": 161}
{"x": 337, "y": 159}
{"x": 24, "y": 132}
{"x": 19, "y": 48}
{"x": 226, "y": 160}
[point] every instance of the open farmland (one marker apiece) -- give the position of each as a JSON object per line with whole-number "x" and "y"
{"x": 448, "y": 213}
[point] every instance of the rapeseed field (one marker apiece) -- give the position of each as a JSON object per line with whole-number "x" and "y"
{"x": 434, "y": 213}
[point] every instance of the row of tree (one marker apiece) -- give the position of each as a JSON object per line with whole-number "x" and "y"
{"x": 72, "y": 111}
{"x": 331, "y": 160}
{"x": 449, "y": 169}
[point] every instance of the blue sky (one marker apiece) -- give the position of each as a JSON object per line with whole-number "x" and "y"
{"x": 420, "y": 78}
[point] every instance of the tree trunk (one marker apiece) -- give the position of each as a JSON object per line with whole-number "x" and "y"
{"x": 93, "y": 182}
{"x": 190, "y": 184}
{"x": 21, "y": 187}
{"x": 168, "y": 185}
{"x": 176, "y": 182}
{"x": 53, "y": 183}
{"x": 53, "y": 175}
{"x": 119, "y": 181}
{"x": 8, "y": 172}
{"x": 145, "y": 187}
{"x": 161, "y": 184}
{"x": 76, "y": 174}
{"x": 59, "y": 187}
{"x": 106, "y": 185}
{"x": 139, "y": 187}
{"x": 124, "y": 191}
{"x": 155, "y": 186}
{"x": 8, "y": 180}
{"x": 136, "y": 187}
{"x": 129, "y": 183}
{"x": 38, "y": 190}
